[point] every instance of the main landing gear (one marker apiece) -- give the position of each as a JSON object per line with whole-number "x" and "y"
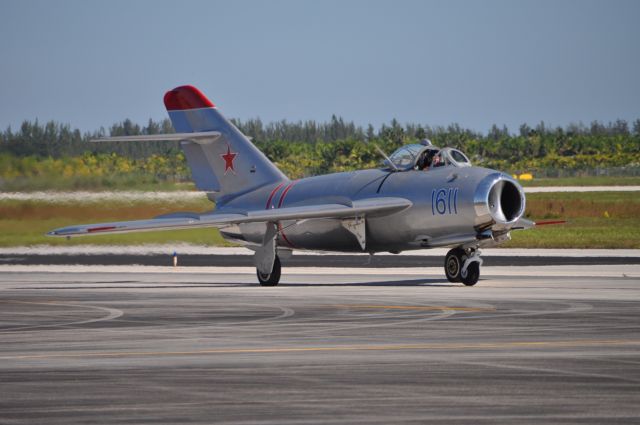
{"x": 266, "y": 258}
{"x": 463, "y": 265}
{"x": 270, "y": 279}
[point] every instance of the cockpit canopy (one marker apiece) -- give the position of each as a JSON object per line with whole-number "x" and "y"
{"x": 424, "y": 157}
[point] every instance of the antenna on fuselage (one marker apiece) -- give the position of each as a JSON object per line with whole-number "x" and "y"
{"x": 381, "y": 152}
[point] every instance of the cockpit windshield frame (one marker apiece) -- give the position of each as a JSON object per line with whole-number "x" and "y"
{"x": 405, "y": 157}
{"x": 421, "y": 157}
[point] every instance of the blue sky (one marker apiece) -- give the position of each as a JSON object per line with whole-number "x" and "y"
{"x": 93, "y": 63}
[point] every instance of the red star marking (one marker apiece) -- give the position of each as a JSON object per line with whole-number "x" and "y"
{"x": 228, "y": 160}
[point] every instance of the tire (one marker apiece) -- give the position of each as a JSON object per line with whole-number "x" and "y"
{"x": 272, "y": 278}
{"x": 473, "y": 274}
{"x": 453, "y": 264}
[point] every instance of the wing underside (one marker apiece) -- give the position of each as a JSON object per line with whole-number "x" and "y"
{"x": 365, "y": 207}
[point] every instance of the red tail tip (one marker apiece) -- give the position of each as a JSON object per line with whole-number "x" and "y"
{"x": 186, "y": 97}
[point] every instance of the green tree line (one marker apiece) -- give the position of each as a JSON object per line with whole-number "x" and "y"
{"x": 304, "y": 148}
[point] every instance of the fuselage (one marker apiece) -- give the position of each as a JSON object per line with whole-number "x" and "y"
{"x": 447, "y": 209}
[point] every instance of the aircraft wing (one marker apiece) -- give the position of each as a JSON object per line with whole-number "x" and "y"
{"x": 373, "y": 206}
{"x": 524, "y": 224}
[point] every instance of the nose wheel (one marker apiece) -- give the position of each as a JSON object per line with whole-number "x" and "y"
{"x": 462, "y": 265}
{"x": 270, "y": 279}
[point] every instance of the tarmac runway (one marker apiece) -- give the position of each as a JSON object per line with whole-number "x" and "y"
{"x": 131, "y": 344}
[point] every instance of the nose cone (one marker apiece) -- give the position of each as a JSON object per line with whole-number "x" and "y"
{"x": 499, "y": 201}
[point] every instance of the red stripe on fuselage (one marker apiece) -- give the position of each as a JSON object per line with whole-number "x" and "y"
{"x": 273, "y": 192}
{"x": 284, "y": 194}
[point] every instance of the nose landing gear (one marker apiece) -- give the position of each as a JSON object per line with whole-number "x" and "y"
{"x": 463, "y": 265}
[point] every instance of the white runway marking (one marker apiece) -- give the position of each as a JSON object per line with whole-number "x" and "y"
{"x": 89, "y": 197}
{"x": 180, "y": 195}
{"x": 582, "y": 189}
{"x": 112, "y": 313}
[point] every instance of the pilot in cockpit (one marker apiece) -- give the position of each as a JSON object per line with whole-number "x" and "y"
{"x": 437, "y": 161}
{"x": 426, "y": 159}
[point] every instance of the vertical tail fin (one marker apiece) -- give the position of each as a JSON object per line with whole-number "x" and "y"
{"x": 230, "y": 165}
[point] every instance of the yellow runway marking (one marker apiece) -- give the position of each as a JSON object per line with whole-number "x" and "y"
{"x": 388, "y": 347}
{"x": 416, "y": 307}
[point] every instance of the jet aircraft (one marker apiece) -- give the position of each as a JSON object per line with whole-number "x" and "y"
{"x": 422, "y": 197}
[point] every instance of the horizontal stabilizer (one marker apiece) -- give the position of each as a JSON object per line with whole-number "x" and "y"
{"x": 202, "y": 137}
{"x": 374, "y": 206}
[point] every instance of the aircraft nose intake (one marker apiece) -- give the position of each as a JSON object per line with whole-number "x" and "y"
{"x": 498, "y": 199}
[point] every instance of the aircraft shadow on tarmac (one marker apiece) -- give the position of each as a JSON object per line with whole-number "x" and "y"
{"x": 404, "y": 282}
{"x": 434, "y": 283}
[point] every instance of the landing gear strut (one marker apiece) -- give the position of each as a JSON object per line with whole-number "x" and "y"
{"x": 462, "y": 265}
{"x": 270, "y": 279}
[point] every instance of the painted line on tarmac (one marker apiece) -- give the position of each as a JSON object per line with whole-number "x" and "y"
{"x": 112, "y": 313}
{"x": 415, "y": 307}
{"x": 345, "y": 348}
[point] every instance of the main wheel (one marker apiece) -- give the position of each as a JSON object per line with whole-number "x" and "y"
{"x": 473, "y": 274}
{"x": 453, "y": 264}
{"x": 272, "y": 278}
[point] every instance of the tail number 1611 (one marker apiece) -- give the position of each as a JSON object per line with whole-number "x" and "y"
{"x": 444, "y": 201}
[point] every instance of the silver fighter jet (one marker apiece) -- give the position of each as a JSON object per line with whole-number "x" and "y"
{"x": 423, "y": 197}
